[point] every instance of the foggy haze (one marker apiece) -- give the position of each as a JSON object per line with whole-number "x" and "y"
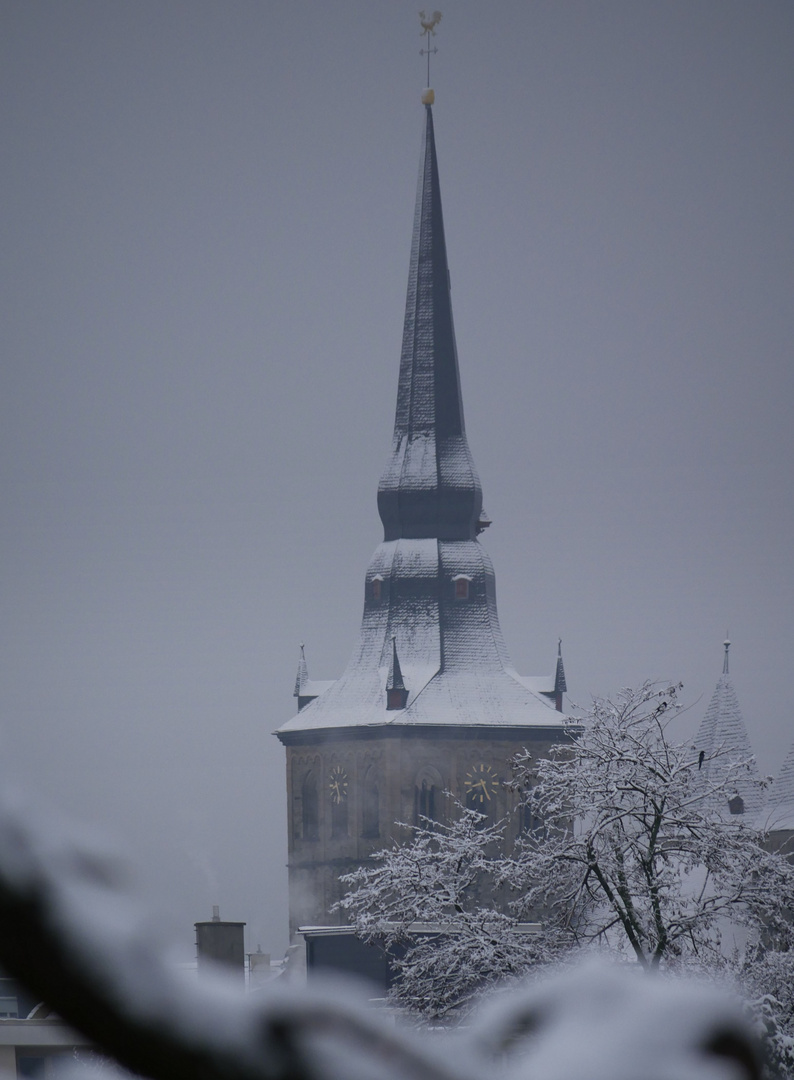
{"x": 206, "y": 226}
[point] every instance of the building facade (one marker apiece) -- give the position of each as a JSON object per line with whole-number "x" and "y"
{"x": 430, "y": 702}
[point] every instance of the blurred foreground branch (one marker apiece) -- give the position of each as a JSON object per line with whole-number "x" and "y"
{"x": 71, "y": 934}
{"x": 76, "y": 940}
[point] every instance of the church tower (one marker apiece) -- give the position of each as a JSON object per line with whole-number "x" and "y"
{"x": 430, "y": 702}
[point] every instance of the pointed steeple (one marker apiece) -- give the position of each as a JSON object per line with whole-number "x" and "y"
{"x": 560, "y": 686}
{"x": 396, "y": 692}
{"x": 302, "y": 678}
{"x": 307, "y": 689}
{"x": 430, "y": 486}
{"x": 723, "y": 741}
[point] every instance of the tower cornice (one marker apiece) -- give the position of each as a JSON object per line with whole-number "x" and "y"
{"x": 554, "y": 733}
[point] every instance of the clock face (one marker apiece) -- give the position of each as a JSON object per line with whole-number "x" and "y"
{"x": 481, "y": 784}
{"x": 337, "y": 784}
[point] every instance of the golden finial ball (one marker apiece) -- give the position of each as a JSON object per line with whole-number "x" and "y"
{"x": 428, "y": 96}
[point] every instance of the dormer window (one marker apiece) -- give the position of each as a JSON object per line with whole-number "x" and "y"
{"x": 396, "y": 697}
{"x": 462, "y": 583}
{"x": 376, "y": 587}
{"x": 736, "y": 805}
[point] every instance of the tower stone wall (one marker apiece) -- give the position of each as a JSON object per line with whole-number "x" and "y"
{"x": 417, "y": 777}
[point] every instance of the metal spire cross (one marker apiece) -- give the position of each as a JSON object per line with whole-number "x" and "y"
{"x": 428, "y": 28}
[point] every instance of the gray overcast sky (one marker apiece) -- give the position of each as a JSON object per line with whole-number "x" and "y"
{"x": 206, "y": 224}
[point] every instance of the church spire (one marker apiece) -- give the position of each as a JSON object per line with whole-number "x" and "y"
{"x": 430, "y": 486}
{"x": 430, "y": 584}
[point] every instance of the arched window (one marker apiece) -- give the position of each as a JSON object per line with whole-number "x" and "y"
{"x": 427, "y": 792}
{"x": 528, "y": 821}
{"x": 339, "y": 818}
{"x": 462, "y": 583}
{"x": 310, "y": 807}
{"x": 736, "y": 805}
{"x": 370, "y": 805}
{"x": 424, "y": 804}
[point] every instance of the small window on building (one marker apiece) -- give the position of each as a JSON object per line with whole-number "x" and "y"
{"x": 529, "y": 823}
{"x": 310, "y": 808}
{"x": 427, "y": 791}
{"x": 462, "y": 585}
{"x": 339, "y": 818}
{"x": 376, "y": 587}
{"x": 736, "y": 805}
{"x": 424, "y": 805}
{"x": 396, "y": 697}
{"x": 370, "y": 808}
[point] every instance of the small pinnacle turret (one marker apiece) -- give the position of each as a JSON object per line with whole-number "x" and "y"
{"x": 306, "y": 689}
{"x": 396, "y": 691}
{"x": 302, "y": 678}
{"x": 560, "y": 685}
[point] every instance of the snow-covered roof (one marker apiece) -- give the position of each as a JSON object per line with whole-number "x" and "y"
{"x": 538, "y": 684}
{"x": 548, "y": 684}
{"x": 453, "y": 660}
{"x": 783, "y": 789}
{"x": 494, "y": 700}
{"x": 723, "y": 739}
{"x": 778, "y": 813}
{"x": 314, "y": 687}
{"x": 304, "y": 686}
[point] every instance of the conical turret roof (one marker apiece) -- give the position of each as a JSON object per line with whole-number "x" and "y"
{"x": 560, "y": 684}
{"x": 723, "y": 741}
{"x": 395, "y": 678}
{"x": 302, "y": 677}
{"x": 779, "y": 809}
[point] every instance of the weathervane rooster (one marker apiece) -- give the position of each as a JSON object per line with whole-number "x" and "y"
{"x": 429, "y": 25}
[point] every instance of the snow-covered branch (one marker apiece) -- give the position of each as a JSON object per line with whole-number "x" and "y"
{"x": 634, "y": 849}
